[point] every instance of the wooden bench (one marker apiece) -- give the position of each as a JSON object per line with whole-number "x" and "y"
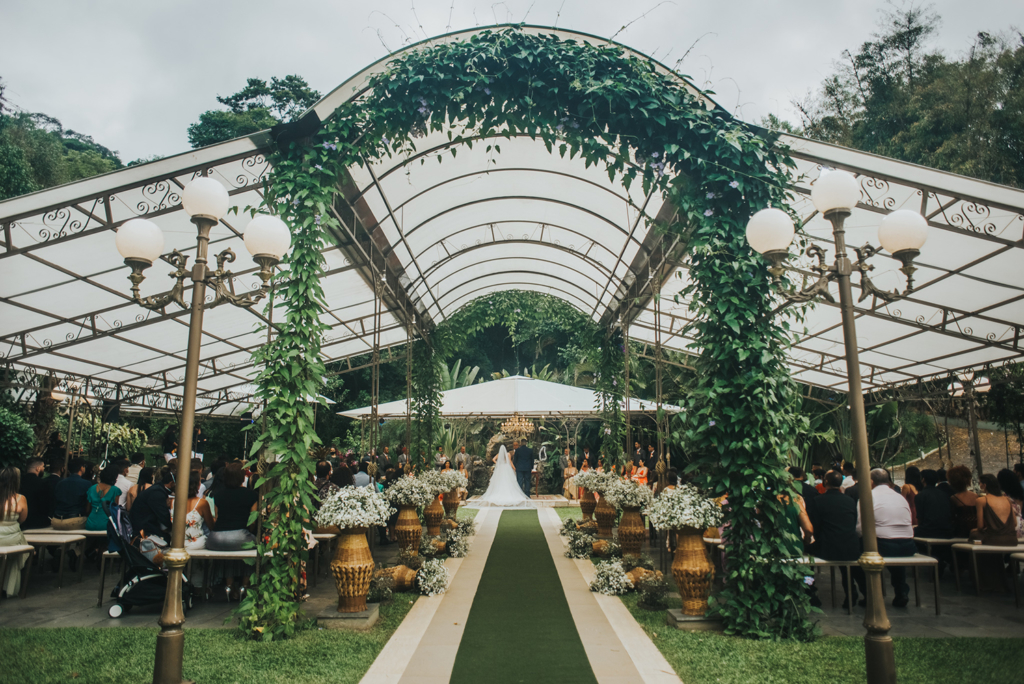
{"x": 930, "y": 542}
{"x": 62, "y": 540}
{"x": 974, "y": 550}
{"x": 916, "y": 562}
{"x": 1015, "y": 560}
{"x": 16, "y": 551}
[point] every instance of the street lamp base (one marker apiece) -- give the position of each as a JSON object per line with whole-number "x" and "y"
{"x": 880, "y": 660}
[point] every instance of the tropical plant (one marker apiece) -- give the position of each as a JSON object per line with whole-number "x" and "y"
{"x": 456, "y": 376}
{"x": 16, "y": 438}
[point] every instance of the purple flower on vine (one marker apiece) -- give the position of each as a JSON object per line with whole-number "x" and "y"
{"x": 487, "y": 91}
{"x": 559, "y": 127}
{"x": 330, "y": 146}
{"x": 711, "y": 423}
{"x": 615, "y": 383}
{"x": 295, "y": 201}
{"x": 385, "y": 140}
{"x": 655, "y": 155}
{"x": 317, "y": 219}
{"x": 734, "y": 184}
{"x": 711, "y": 195}
{"x": 709, "y": 212}
{"x": 318, "y": 167}
{"x": 808, "y": 580}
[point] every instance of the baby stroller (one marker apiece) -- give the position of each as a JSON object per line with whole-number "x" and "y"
{"x": 142, "y": 581}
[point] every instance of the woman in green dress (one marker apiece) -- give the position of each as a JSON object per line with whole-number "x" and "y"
{"x": 99, "y": 497}
{"x": 13, "y": 511}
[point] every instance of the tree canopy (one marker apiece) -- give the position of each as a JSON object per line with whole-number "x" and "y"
{"x": 256, "y": 107}
{"x": 896, "y": 96}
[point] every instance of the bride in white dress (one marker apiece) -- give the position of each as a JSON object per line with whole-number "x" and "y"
{"x": 503, "y": 490}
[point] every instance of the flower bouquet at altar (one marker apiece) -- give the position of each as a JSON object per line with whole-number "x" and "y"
{"x": 686, "y": 510}
{"x": 592, "y": 481}
{"x": 353, "y": 510}
{"x": 448, "y": 483}
{"x": 408, "y": 494}
{"x": 630, "y": 497}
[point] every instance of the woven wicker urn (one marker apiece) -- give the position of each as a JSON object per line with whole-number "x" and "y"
{"x": 631, "y": 531}
{"x": 408, "y": 529}
{"x": 605, "y": 514}
{"x": 352, "y": 568}
{"x": 692, "y": 571}
{"x": 404, "y": 577}
{"x": 587, "y": 504}
{"x": 451, "y": 503}
{"x": 433, "y": 515}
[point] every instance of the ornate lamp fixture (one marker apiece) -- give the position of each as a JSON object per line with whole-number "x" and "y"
{"x": 141, "y": 242}
{"x": 518, "y": 426}
{"x": 902, "y": 233}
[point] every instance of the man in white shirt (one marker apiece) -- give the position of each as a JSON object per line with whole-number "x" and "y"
{"x": 122, "y": 483}
{"x": 138, "y": 463}
{"x": 894, "y": 529}
{"x": 849, "y": 477}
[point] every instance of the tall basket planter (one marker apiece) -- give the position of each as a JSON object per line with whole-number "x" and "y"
{"x": 408, "y": 528}
{"x": 451, "y": 503}
{"x": 605, "y": 514}
{"x": 692, "y": 570}
{"x": 631, "y": 531}
{"x": 433, "y": 515}
{"x": 587, "y": 505}
{"x": 352, "y": 568}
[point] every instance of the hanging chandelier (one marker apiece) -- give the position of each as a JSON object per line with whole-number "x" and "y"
{"x": 517, "y": 426}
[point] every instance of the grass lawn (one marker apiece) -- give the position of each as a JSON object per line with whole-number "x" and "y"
{"x": 565, "y": 512}
{"x": 466, "y": 513}
{"x": 702, "y": 657}
{"x": 212, "y": 656}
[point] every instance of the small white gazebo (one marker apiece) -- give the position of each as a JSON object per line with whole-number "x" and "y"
{"x": 501, "y": 398}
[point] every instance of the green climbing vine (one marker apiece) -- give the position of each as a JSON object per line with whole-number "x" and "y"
{"x": 618, "y": 111}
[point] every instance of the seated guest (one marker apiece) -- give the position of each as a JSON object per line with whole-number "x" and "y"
{"x": 997, "y": 526}
{"x": 849, "y": 476}
{"x": 463, "y": 491}
{"x": 100, "y": 497}
{"x": 150, "y": 514}
{"x": 123, "y": 483}
{"x": 37, "y": 496}
{"x": 944, "y": 481}
{"x": 138, "y": 462}
{"x": 894, "y": 531}
{"x": 910, "y": 489}
{"x": 198, "y": 519}
{"x": 13, "y": 512}
{"x": 235, "y": 504}
{"x": 342, "y": 477}
{"x": 808, "y": 491}
{"x": 362, "y": 478}
{"x": 568, "y": 482}
{"x": 1012, "y": 488}
{"x": 55, "y": 475}
{"x": 819, "y": 479}
{"x": 144, "y": 482}
{"x": 323, "y": 484}
{"x": 934, "y": 510}
{"x": 70, "y": 504}
{"x": 834, "y": 517}
{"x": 964, "y": 502}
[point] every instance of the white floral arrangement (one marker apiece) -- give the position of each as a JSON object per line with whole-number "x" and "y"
{"x": 628, "y": 494}
{"x": 466, "y": 527}
{"x": 610, "y": 579}
{"x": 351, "y": 507}
{"x": 457, "y": 546}
{"x": 578, "y": 544}
{"x": 444, "y": 480}
{"x": 595, "y": 481}
{"x": 410, "y": 491}
{"x": 432, "y": 578}
{"x": 684, "y": 506}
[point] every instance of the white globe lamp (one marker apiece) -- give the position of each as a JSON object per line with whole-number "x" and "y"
{"x": 139, "y": 240}
{"x": 835, "y": 191}
{"x": 205, "y": 198}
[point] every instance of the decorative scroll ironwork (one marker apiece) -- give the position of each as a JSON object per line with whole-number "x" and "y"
{"x": 60, "y": 223}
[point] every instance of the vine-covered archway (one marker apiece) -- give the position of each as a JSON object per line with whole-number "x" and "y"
{"x": 643, "y": 125}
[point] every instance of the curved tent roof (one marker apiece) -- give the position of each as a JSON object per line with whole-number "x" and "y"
{"x": 504, "y": 397}
{"x": 447, "y": 233}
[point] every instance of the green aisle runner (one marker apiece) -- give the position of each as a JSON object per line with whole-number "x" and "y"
{"x": 520, "y": 628}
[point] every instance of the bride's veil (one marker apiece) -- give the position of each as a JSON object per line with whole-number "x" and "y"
{"x": 502, "y": 456}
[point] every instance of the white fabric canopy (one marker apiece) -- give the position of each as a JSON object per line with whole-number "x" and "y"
{"x": 516, "y": 394}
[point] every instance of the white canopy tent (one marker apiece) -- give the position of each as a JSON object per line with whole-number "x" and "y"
{"x": 446, "y": 234}
{"x": 504, "y": 397}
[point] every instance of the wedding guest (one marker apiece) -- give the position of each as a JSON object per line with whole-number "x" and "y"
{"x": 37, "y": 495}
{"x": 150, "y": 514}
{"x": 569, "y": 488}
{"x": 584, "y": 468}
{"x": 123, "y": 484}
{"x": 835, "y": 531}
{"x": 1012, "y": 488}
{"x": 640, "y": 474}
{"x": 997, "y": 526}
{"x": 198, "y": 519}
{"x": 819, "y": 479}
{"x": 138, "y": 462}
{"x": 849, "y": 476}
{"x": 145, "y": 481}
{"x": 230, "y": 530}
{"x": 362, "y": 478}
{"x": 70, "y": 505}
{"x": 944, "y": 482}
{"x": 964, "y": 502}
{"x": 13, "y": 512}
{"x": 934, "y": 510}
{"x": 808, "y": 491}
{"x": 100, "y": 497}
{"x": 671, "y": 480}
{"x": 463, "y": 491}
{"x": 54, "y": 476}
{"x": 323, "y": 484}
{"x": 342, "y": 477}
{"x": 910, "y": 489}
{"x": 586, "y": 458}
{"x": 893, "y": 529}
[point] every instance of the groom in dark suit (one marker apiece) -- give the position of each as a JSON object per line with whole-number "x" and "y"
{"x": 522, "y": 461}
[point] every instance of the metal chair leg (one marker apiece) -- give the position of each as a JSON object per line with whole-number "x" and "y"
{"x": 25, "y": 574}
{"x": 3, "y": 571}
{"x": 60, "y": 573}
{"x": 832, "y": 583}
{"x": 917, "y": 591}
{"x": 1015, "y": 567}
{"x": 937, "y": 610}
{"x": 977, "y": 577}
{"x": 103, "y": 579}
{"x": 849, "y": 589}
{"x": 956, "y": 569}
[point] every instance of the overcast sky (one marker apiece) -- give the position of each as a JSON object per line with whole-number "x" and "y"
{"x": 134, "y": 74}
